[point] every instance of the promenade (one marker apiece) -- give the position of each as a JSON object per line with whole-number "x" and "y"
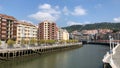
{"x": 7, "y": 53}
{"x": 113, "y": 58}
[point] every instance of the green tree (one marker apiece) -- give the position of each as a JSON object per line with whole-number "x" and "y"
{"x": 41, "y": 41}
{"x": 10, "y": 42}
{"x": 0, "y": 42}
{"x": 62, "y": 41}
{"x": 24, "y": 42}
{"x": 50, "y": 42}
{"x": 33, "y": 41}
{"x": 46, "y": 42}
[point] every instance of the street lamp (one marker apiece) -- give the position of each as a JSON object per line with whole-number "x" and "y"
{"x": 110, "y": 39}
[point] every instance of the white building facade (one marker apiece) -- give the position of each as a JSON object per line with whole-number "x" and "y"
{"x": 63, "y": 34}
{"x": 26, "y": 31}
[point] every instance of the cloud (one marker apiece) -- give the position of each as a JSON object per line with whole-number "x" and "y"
{"x": 66, "y": 11}
{"x": 27, "y": 21}
{"x": 116, "y": 19}
{"x": 45, "y": 6}
{"x": 53, "y": 13}
{"x": 46, "y": 12}
{"x": 69, "y": 23}
{"x": 79, "y": 11}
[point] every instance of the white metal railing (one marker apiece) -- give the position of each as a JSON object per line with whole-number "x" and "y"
{"x": 106, "y": 57}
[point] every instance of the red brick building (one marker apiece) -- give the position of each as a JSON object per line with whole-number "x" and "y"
{"x": 7, "y": 27}
{"x": 47, "y": 31}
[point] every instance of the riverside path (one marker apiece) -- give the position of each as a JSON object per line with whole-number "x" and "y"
{"x": 17, "y": 52}
{"x": 113, "y": 58}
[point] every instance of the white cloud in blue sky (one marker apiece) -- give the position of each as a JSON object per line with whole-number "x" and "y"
{"x": 69, "y": 23}
{"x": 27, "y": 21}
{"x": 78, "y": 11}
{"x": 116, "y": 19}
{"x": 46, "y": 12}
{"x": 66, "y": 10}
{"x": 62, "y": 11}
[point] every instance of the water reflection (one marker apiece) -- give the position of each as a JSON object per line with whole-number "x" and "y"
{"x": 89, "y": 56}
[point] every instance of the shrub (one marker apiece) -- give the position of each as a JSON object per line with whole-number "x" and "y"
{"x": 10, "y": 42}
{"x": 0, "y": 42}
{"x": 33, "y": 41}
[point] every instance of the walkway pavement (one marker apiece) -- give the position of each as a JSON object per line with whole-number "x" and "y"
{"x": 113, "y": 59}
{"x": 3, "y": 50}
{"x": 116, "y": 57}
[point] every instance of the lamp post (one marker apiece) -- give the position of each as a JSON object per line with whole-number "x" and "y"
{"x": 110, "y": 39}
{"x": 110, "y": 42}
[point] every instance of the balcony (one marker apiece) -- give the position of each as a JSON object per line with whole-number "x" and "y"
{"x": 3, "y": 36}
{"x": 4, "y": 24}
{"x": 3, "y": 32}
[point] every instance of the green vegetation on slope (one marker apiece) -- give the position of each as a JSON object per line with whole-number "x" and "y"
{"x": 103, "y": 25}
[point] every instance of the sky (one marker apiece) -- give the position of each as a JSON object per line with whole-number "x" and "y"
{"x": 62, "y": 12}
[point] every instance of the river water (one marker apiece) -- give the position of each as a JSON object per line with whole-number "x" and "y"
{"x": 88, "y": 56}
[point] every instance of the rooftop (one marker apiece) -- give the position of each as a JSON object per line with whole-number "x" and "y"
{"x": 7, "y": 17}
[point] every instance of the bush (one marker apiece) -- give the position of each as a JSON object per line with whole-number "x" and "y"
{"x": 47, "y": 41}
{"x": 50, "y": 42}
{"x": 62, "y": 41}
{"x": 41, "y": 41}
{"x": 0, "y": 42}
{"x": 10, "y": 42}
{"x": 33, "y": 41}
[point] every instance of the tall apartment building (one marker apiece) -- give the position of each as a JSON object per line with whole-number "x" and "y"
{"x": 63, "y": 34}
{"x": 47, "y": 30}
{"x": 7, "y": 28}
{"x": 25, "y": 31}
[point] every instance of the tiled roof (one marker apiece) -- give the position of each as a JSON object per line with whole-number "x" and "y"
{"x": 25, "y": 23}
{"x": 7, "y": 17}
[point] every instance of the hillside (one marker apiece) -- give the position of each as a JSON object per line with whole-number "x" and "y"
{"x": 103, "y": 25}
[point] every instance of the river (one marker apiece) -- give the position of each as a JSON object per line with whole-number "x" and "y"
{"x": 88, "y": 56}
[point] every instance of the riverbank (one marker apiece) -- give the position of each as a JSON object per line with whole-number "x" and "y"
{"x": 6, "y": 54}
{"x": 88, "y": 56}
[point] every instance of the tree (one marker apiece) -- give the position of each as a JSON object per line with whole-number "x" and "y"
{"x": 24, "y": 42}
{"x": 33, "y": 41}
{"x": 46, "y": 42}
{"x": 62, "y": 41}
{"x": 0, "y": 42}
{"x": 10, "y": 42}
{"x": 41, "y": 41}
{"x": 115, "y": 30}
{"x": 50, "y": 42}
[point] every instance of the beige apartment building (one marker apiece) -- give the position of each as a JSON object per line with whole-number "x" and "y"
{"x": 25, "y": 31}
{"x": 63, "y": 34}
